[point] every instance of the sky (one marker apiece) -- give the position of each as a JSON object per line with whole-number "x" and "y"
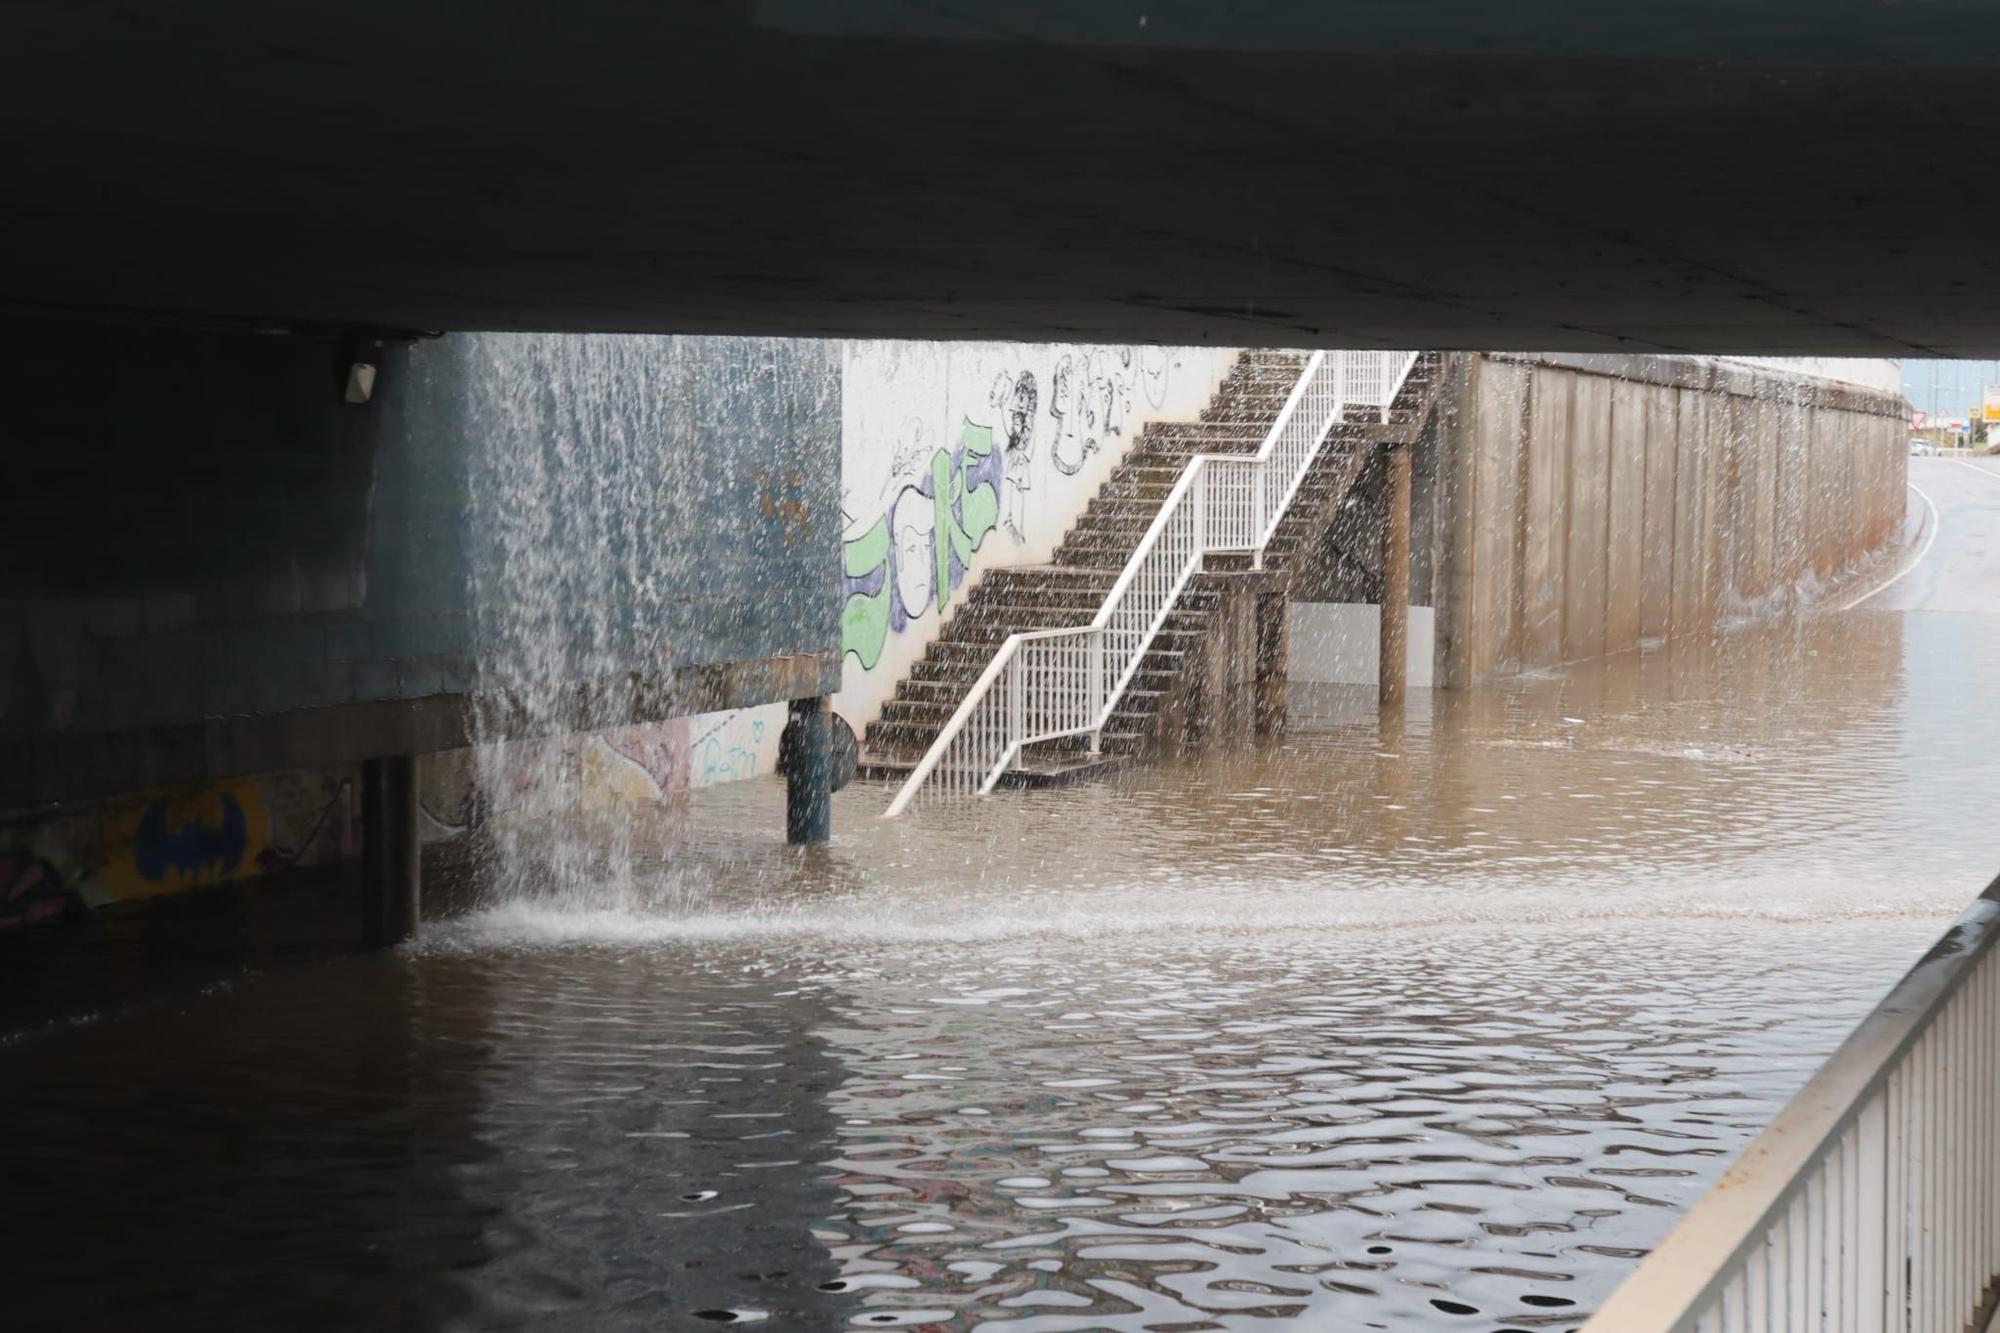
{"x": 1959, "y": 384}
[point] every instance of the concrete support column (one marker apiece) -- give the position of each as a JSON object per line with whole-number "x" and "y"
{"x": 1273, "y": 668}
{"x": 390, "y": 855}
{"x": 805, "y": 755}
{"x": 1393, "y": 668}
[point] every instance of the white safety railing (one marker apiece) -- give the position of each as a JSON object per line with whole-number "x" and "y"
{"x": 1065, "y": 682}
{"x": 1872, "y": 1202}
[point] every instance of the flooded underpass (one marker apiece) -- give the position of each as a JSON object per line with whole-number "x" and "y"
{"x": 1427, "y": 1022}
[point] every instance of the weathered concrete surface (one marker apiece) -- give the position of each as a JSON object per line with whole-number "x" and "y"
{"x": 219, "y": 567}
{"x": 1429, "y": 173}
{"x": 1617, "y": 500}
{"x": 1233, "y": 688}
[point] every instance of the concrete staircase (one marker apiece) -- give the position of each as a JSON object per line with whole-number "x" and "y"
{"x": 1094, "y": 551}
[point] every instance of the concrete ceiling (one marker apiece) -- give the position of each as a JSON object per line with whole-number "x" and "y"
{"x": 1771, "y": 176}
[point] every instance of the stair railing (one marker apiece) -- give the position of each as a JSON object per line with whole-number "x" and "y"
{"x": 1047, "y": 684}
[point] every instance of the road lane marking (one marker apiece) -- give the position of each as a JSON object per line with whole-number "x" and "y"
{"x": 1922, "y": 551}
{"x": 1986, "y": 472}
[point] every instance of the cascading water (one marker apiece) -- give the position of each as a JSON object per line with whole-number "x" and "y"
{"x": 563, "y": 582}
{"x": 598, "y": 470}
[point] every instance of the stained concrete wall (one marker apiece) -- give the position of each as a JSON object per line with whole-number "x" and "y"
{"x": 1341, "y": 644}
{"x": 218, "y": 567}
{"x": 1587, "y": 505}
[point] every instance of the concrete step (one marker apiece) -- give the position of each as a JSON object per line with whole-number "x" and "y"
{"x": 1150, "y": 471}
{"x": 1027, "y": 605}
{"x": 1208, "y": 433}
{"x": 1028, "y": 601}
{"x": 1152, "y": 677}
{"x": 1091, "y": 551}
{"x": 1053, "y": 578}
{"x": 1238, "y": 562}
{"x": 934, "y": 714}
{"x": 1262, "y": 374}
{"x": 1177, "y": 453}
{"x": 1143, "y": 499}
{"x": 963, "y": 662}
{"x": 916, "y": 737}
{"x": 1323, "y": 477}
{"x": 1039, "y": 766}
{"x": 992, "y": 632}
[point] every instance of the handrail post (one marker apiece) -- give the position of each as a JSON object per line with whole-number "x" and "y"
{"x": 1097, "y": 690}
{"x": 1257, "y": 533}
{"x": 1017, "y": 680}
{"x": 1201, "y": 484}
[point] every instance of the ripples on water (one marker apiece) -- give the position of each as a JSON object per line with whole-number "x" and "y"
{"x": 1433, "y": 1025}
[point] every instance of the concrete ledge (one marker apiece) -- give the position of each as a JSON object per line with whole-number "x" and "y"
{"x": 1692, "y": 372}
{"x": 49, "y": 770}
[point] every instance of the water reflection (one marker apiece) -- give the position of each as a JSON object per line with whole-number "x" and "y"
{"x": 1368, "y": 1133}
{"x": 1433, "y": 1023}
{"x": 252, "y": 1157}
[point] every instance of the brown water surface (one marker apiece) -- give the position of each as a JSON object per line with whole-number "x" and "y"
{"x": 1427, "y": 1023}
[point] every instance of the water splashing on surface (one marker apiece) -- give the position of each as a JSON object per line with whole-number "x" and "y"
{"x": 601, "y": 470}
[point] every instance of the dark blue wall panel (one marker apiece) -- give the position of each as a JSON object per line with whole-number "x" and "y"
{"x": 200, "y": 528}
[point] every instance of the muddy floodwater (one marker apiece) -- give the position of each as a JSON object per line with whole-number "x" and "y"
{"x": 1428, "y": 1024}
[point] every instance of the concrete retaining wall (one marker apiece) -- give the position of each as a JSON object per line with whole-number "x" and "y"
{"x": 1586, "y": 505}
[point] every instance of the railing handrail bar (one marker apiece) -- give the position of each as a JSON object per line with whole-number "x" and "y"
{"x": 928, "y": 764}
{"x": 1186, "y": 482}
{"x": 1677, "y": 1283}
{"x": 1168, "y": 508}
{"x": 1334, "y": 414}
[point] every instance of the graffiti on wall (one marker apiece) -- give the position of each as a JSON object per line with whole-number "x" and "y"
{"x": 1047, "y": 413}
{"x": 172, "y": 840}
{"x": 735, "y": 747}
{"x": 642, "y": 764}
{"x": 183, "y": 839}
{"x": 1091, "y": 397}
{"x": 33, "y": 891}
{"x": 920, "y": 549}
{"x": 1015, "y": 396}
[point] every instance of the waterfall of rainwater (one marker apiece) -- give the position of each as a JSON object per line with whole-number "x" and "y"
{"x": 571, "y": 537}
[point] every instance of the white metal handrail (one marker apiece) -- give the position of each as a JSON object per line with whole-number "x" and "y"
{"x": 1872, "y": 1201}
{"x": 1065, "y": 682}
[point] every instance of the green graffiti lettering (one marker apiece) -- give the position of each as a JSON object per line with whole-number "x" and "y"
{"x": 963, "y": 517}
{"x": 864, "y": 619}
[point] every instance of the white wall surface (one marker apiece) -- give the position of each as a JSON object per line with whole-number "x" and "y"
{"x": 1340, "y": 643}
{"x": 1019, "y": 436}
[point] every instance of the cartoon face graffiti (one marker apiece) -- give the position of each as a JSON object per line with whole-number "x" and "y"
{"x": 1020, "y": 407}
{"x": 914, "y": 519}
{"x": 1153, "y": 374}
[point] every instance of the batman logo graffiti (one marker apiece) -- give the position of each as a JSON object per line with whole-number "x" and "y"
{"x": 191, "y": 847}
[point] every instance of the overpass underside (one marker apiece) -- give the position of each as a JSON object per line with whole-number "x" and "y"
{"x": 1795, "y": 176}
